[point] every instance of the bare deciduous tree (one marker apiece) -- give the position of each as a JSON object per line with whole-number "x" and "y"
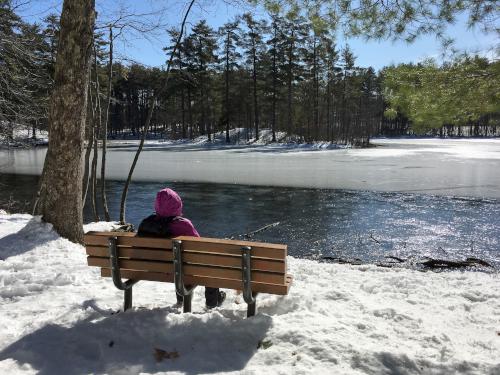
{"x": 151, "y": 106}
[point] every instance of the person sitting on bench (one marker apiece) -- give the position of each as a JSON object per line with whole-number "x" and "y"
{"x": 167, "y": 221}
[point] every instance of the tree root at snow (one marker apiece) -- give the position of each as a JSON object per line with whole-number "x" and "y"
{"x": 340, "y": 260}
{"x": 428, "y": 263}
{"x": 447, "y": 264}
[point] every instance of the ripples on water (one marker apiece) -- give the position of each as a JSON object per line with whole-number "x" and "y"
{"x": 315, "y": 223}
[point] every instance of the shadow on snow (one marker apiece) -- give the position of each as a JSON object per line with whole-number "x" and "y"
{"x": 26, "y": 239}
{"x": 103, "y": 343}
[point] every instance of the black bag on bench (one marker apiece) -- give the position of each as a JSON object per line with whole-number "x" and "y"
{"x": 156, "y": 226}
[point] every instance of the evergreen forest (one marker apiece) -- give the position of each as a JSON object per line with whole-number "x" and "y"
{"x": 284, "y": 73}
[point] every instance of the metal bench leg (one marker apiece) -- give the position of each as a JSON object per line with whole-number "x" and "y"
{"x": 246, "y": 276}
{"x": 186, "y": 291}
{"x": 127, "y": 293}
{"x": 117, "y": 278}
{"x": 187, "y": 303}
{"x": 252, "y": 307}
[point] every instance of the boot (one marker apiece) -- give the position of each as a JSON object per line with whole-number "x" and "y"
{"x": 213, "y": 297}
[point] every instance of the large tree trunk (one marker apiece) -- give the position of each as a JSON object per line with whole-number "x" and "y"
{"x": 59, "y": 198}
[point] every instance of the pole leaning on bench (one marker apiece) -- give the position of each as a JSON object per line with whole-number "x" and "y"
{"x": 246, "y": 273}
{"x": 185, "y": 291}
{"x": 117, "y": 278}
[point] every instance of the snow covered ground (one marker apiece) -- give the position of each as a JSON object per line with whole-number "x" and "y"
{"x": 23, "y": 137}
{"x": 57, "y": 316}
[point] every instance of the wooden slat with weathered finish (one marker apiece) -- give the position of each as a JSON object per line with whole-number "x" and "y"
{"x": 132, "y": 253}
{"x": 214, "y": 259}
{"x": 239, "y": 243}
{"x": 214, "y": 245}
{"x": 188, "y": 269}
{"x": 202, "y": 244}
{"x": 280, "y": 289}
{"x": 98, "y": 239}
{"x": 112, "y": 233}
{"x": 258, "y": 264}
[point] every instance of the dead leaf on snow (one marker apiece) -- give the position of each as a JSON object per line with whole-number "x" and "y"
{"x": 264, "y": 344}
{"x": 161, "y": 354}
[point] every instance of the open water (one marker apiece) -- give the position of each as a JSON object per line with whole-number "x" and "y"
{"x": 408, "y": 198}
{"x": 318, "y": 222}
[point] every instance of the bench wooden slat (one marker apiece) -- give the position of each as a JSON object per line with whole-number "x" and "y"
{"x": 132, "y": 253}
{"x": 112, "y": 233}
{"x": 280, "y": 289}
{"x": 265, "y": 265}
{"x": 226, "y": 260}
{"x": 222, "y": 241}
{"x": 210, "y": 245}
{"x": 202, "y": 244}
{"x": 98, "y": 239}
{"x": 188, "y": 269}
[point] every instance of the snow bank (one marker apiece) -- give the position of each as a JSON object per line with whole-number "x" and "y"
{"x": 464, "y": 148}
{"x": 22, "y": 136}
{"x": 239, "y": 138}
{"x": 58, "y": 316}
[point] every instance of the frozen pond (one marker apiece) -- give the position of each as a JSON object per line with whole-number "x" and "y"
{"x": 444, "y": 167}
{"x": 438, "y": 198}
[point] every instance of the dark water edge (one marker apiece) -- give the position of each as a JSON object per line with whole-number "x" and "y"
{"x": 314, "y": 222}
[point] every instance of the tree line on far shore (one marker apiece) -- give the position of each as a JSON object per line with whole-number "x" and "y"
{"x": 284, "y": 73}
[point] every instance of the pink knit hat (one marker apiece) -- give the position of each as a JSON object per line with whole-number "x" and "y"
{"x": 168, "y": 203}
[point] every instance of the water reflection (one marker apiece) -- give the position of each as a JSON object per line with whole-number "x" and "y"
{"x": 355, "y": 224}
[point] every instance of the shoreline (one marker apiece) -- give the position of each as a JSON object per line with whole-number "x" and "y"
{"x": 431, "y": 166}
{"x": 59, "y": 316}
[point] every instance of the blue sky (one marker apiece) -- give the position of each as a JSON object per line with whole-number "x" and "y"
{"x": 149, "y": 50}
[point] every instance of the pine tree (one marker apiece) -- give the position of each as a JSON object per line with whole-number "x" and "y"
{"x": 330, "y": 60}
{"x": 205, "y": 44}
{"x": 229, "y": 35}
{"x": 313, "y": 54}
{"x": 253, "y": 46}
{"x": 295, "y": 32}
{"x": 347, "y": 61}
{"x": 276, "y": 54}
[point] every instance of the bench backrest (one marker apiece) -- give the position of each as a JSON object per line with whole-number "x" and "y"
{"x": 206, "y": 261}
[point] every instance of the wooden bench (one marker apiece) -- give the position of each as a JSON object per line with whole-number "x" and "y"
{"x": 252, "y": 267}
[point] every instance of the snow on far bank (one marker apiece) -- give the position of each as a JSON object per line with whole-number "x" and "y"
{"x": 459, "y": 148}
{"x": 57, "y": 316}
{"x": 22, "y": 136}
{"x": 463, "y": 148}
{"x": 238, "y": 138}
